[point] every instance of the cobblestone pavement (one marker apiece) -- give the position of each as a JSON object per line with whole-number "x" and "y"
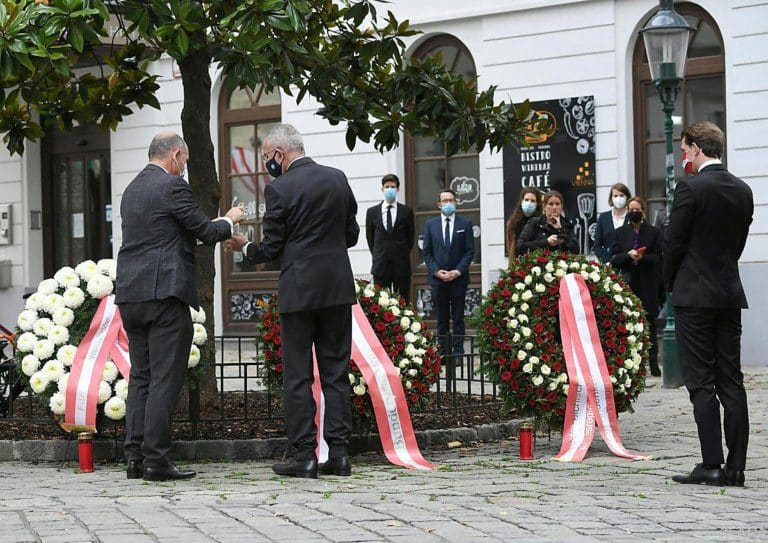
{"x": 478, "y": 494}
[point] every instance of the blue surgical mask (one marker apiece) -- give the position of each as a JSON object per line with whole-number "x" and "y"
{"x": 448, "y": 209}
{"x": 274, "y": 168}
{"x": 390, "y": 194}
{"x": 528, "y": 207}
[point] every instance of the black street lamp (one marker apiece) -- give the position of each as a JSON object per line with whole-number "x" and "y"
{"x": 666, "y": 45}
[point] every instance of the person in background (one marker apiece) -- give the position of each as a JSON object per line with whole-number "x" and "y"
{"x": 706, "y": 235}
{"x": 636, "y": 254}
{"x": 609, "y": 221}
{"x": 449, "y": 247}
{"x": 528, "y": 206}
{"x": 389, "y": 229}
{"x": 552, "y": 230}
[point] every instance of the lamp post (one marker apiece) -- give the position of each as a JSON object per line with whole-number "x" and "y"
{"x": 666, "y": 45}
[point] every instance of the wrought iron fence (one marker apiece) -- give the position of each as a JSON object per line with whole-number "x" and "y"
{"x": 240, "y": 397}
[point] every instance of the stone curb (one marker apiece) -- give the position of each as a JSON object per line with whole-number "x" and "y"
{"x": 57, "y": 450}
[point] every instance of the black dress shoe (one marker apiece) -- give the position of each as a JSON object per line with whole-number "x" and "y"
{"x": 336, "y": 466}
{"x": 167, "y": 473}
{"x": 733, "y": 477}
{"x": 701, "y": 476}
{"x": 135, "y": 469}
{"x": 655, "y": 371}
{"x": 304, "y": 468}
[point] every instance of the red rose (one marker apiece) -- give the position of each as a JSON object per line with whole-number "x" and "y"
{"x": 279, "y": 368}
{"x": 267, "y": 337}
{"x": 545, "y": 406}
{"x": 538, "y": 328}
{"x": 389, "y": 317}
{"x": 506, "y": 376}
{"x": 488, "y": 310}
{"x": 413, "y": 397}
{"x": 552, "y": 396}
{"x": 541, "y": 260}
{"x": 493, "y": 330}
{"x": 515, "y": 364}
{"x": 400, "y": 338}
{"x": 396, "y": 329}
{"x": 280, "y": 352}
{"x": 375, "y": 309}
{"x": 557, "y": 366}
{"x": 506, "y": 293}
{"x": 278, "y": 340}
{"x": 380, "y": 326}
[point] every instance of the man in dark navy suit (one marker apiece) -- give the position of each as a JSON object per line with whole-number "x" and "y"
{"x": 156, "y": 284}
{"x": 310, "y": 222}
{"x": 449, "y": 247}
{"x": 707, "y": 231}
{"x": 389, "y": 231}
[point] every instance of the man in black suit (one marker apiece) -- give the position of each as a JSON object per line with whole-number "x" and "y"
{"x": 707, "y": 231}
{"x": 449, "y": 247}
{"x": 389, "y": 231}
{"x": 155, "y": 286}
{"x": 309, "y": 224}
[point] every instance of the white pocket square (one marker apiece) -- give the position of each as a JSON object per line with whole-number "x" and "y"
{"x": 460, "y": 231}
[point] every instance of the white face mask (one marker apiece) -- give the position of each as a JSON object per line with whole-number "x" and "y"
{"x": 619, "y": 202}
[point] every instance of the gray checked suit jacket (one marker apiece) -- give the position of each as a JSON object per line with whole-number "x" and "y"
{"x": 160, "y": 223}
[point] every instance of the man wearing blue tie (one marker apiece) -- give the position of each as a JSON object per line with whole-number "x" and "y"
{"x": 449, "y": 247}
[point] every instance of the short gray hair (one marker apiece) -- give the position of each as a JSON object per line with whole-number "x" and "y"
{"x": 285, "y": 136}
{"x": 163, "y": 144}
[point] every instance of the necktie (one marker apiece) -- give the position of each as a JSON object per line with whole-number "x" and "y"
{"x": 447, "y": 235}
{"x": 389, "y": 218}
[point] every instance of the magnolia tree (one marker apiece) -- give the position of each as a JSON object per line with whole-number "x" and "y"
{"x": 86, "y": 62}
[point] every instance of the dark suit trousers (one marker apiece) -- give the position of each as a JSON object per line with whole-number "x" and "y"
{"x": 708, "y": 345}
{"x": 330, "y": 330}
{"x": 160, "y": 335}
{"x": 397, "y": 283}
{"x": 449, "y": 300}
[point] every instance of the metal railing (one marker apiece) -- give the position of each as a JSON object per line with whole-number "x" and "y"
{"x": 239, "y": 395}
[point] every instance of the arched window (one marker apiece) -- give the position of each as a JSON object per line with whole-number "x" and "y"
{"x": 701, "y": 98}
{"x": 429, "y": 169}
{"x": 245, "y": 117}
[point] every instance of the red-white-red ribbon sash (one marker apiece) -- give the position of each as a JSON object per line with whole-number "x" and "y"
{"x": 387, "y": 396}
{"x": 105, "y": 338}
{"x": 590, "y": 393}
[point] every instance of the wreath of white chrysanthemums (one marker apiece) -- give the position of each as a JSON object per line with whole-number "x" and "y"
{"x": 54, "y": 321}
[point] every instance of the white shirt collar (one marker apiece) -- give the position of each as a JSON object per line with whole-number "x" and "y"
{"x": 710, "y": 162}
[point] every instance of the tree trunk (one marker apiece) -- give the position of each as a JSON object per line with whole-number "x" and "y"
{"x": 195, "y": 123}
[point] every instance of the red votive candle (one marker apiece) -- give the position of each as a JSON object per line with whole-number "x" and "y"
{"x": 526, "y": 441}
{"x": 85, "y": 451}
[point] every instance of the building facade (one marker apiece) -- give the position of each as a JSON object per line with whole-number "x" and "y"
{"x": 64, "y": 193}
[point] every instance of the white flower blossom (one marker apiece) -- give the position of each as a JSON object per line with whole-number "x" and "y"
{"x": 53, "y": 370}
{"x": 527, "y": 295}
{"x": 30, "y": 364}
{"x": 66, "y": 277}
{"x": 105, "y": 265}
{"x": 99, "y": 286}
{"x": 613, "y": 379}
{"x": 413, "y": 372}
{"x": 395, "y": 310}
{"x": 552, "y": 385}
{"x": 549, "y": 267}
{"x": 618, "y": 299}
{"x": 410, "y": 337}
{"x": 42, "y": 327}
{"x": 516, "y": 338}
{"x": 628, "y": 382}
{"x": 35, "y": 302}
{"x": 26, "y": 342}
{"x": 63, "y": 316}
{"x": 545, "y": 370}
{"x": 560, "y": 273}
{"x": 59, "y": 335}
{"x": 515, "y": 297}
{"x": 537, "y": 380}
{"x": 86, "y": 270}
{"x": 408, "y": 385}
{"x": 105, "y": 391}
{"x": 38, "y": 382}
{"x": 43, "y": 349}
{"x": 534, "y": 359}
{"x": 548, "y": 277}
{"x": 584, "y": 274}
{"x": 519, "y": 286}
{"x": 511, "y": 312}
{"x": 368, "y": 292}
{"x": 410, "y": 350}
{"x": 521, "y": 355}
{"x": 62, "y": 383}
{"x": 405, "y": 323}
{"x": 563, "y": 378}
{"x": 121, "y": 389}
{"x": 26, "y": 320}
{"x": 628, "y": 364}
{"x": 524, "y": 307}
{"x": 528, "y": 280}
{"x": 594, "y": 277}
{"x": 197, "y": 315}
{"x": 617, "y": 287}
{"x": 639, "y": 328}
{"x": 529, "y": 346}
{"x": 194, "y": 356}
{"x": 47, "y": 286}
{"x": 359, "y": 390}
{"x": 114, "y": 408}
{"x": 512, "y": 324}
{"x": 525, "y": 331}
{"x": 540, "y": 288}
{"x": 415, "y": 327}
{"x": 53, "y": 302}
{"x": 403, "y": 363}
{"x": 418, "y": 360}
{"x": 200, "y": 335}
{"x": 57, "y": 403}
{"x": 575, "y": 266}
{"x": 66, "y": 354}
{"x": 352, "y": 379}
{"x": 565, "y": 389}
{"x": 110, "y": 371}
{"x": 73, "y": 297}
{"x": 408, "y": 313}
{"x": 536, "y": 270}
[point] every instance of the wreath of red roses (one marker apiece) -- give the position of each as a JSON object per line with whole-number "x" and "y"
{"x": 519, "y": 334}
{"x": 401, "y": 331}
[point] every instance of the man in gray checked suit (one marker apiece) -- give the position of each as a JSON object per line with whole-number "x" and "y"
{"x": 155, "y": 286}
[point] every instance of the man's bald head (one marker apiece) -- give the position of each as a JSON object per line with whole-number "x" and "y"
{"x": 164, "y": 143}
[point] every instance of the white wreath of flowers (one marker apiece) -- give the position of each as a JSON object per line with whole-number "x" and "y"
{"x": 45, "y": 349}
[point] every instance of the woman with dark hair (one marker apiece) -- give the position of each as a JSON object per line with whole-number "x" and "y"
{"x": 552, "y": 230}
{"x": 609, "y": 221}
{"x": 528, "y": 206}
{"x": 637, "y": 256}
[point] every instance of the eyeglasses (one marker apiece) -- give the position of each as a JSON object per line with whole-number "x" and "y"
{"x": 451, "y": 201}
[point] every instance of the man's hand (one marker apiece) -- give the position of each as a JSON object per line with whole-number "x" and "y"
{"x": 235, "y": 214}
{"x": 235, "y": 243}
{"x": 442, "y": 275}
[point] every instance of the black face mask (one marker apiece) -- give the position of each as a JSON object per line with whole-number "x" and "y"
{"x": 274, "y": 168}
{"x": 635, "y": 216}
